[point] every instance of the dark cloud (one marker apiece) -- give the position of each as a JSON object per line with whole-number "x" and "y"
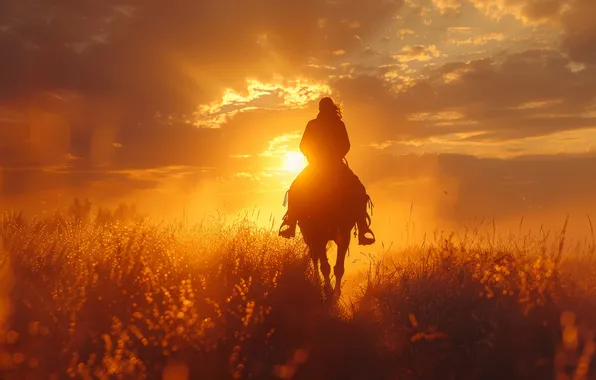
{"x": 574, "y": 16}
{"x": 38, "y": 181}
{"x": 463, "y": 187}
{"x": 116, "y": 142}
{"x": 580, "y": 30}
{"x": 156, "y": 56}
{"x": 154, "y": 145}
{"x": 532, "y": 127}
{"x": 502, "y": 188}
{"x": 87, "y": 79}
{"x": 512, "y": 96}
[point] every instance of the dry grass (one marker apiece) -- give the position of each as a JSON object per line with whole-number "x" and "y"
{"x": 118, "y": 296}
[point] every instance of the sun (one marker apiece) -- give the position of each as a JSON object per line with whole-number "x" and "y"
{"x": 294, "y": 162}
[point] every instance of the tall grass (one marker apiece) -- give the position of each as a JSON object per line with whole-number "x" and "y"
{"x": 116, "y": 295}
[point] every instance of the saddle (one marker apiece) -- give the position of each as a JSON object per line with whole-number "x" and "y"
{"x": 325, "y": 198}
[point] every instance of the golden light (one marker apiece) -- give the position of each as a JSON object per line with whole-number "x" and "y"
{"x": 294, "y": 162}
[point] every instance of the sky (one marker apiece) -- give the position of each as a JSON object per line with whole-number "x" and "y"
{"x": 457, "y": 111}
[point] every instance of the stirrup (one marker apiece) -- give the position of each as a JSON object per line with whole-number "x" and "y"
{"x": 290, "y": 231}
{"x": 364, "y": 240}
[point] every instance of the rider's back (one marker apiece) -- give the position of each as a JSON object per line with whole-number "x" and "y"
{"x": 325, "y": 141}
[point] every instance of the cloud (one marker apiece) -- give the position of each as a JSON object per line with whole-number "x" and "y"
{"x": 38, "y": 182}
{"x": 447, "y": 6}
{"x": 417, "y": 53}
{"x": 514, "y": 96}
{"x": 151, "y": 70}
{"x": 580, "y": 31}
{"x": 481, "y": 39}
{"x": 573, "y": 17}
{"x": 462, "y": 188}
{"x": 501, "y": 187}
{"x": 526, "y": 10}
{"x": 87, "y": 85}
{"x": 170, "y": 58}
{"x": 278, "y": 94}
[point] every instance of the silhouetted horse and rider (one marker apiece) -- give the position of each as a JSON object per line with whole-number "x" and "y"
{"x": 327, "y": 199}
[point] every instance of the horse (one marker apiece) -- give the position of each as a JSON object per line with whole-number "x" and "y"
{"x": 324, "y": 219}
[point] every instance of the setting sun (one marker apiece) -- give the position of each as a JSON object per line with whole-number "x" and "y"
{"x": 294, "y": 162}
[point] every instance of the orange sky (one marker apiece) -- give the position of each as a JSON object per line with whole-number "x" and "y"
{"x": 465, "y": 109}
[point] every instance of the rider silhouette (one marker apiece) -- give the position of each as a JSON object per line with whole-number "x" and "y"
{"x": 325, "y": 143}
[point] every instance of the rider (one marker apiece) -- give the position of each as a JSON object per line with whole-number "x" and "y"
{"x": 325, "y": 143}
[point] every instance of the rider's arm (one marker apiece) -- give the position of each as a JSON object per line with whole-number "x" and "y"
{"x": 306, "y": 144}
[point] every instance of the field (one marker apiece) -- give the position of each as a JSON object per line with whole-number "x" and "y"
{"x": 110, "y": 295}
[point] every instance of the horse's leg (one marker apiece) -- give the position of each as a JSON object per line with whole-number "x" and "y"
{"x": 320, "y": 252}
{"x": 343, "y": 243}
{"x": 311, "y": 243}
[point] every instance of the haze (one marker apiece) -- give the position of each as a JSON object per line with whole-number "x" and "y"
{"x": 467, "y": 110}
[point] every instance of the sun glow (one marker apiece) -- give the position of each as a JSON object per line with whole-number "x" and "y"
{"x": 294, "y": 162}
